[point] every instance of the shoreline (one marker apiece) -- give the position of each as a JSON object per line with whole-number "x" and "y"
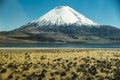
{"x": 64, "y": 48}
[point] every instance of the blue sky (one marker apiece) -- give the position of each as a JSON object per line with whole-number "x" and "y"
{"x": 15, "y": 13}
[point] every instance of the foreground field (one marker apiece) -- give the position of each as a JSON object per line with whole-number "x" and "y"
{"x": 59, "y": 64}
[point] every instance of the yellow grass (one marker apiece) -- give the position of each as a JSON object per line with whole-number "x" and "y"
{"x": 59, "y": 64}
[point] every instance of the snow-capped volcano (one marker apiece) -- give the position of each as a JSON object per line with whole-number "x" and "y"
{"x": 63, "y": 24}
{"x": 63, "y": 15}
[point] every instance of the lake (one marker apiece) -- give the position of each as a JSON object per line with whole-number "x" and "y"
{"x": 59, "y": 45}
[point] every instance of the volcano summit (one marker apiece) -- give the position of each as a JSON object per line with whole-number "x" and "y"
{"x": 63, "y": 24}
{"x": 64, "y": 15}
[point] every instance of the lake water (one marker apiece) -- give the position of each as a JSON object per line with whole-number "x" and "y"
{"x": 60, "y": 45}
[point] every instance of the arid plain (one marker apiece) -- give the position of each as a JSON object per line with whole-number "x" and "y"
{"x": 59, "y": 64}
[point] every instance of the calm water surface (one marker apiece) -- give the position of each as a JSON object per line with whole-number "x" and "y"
{"x": 60, "y": 45}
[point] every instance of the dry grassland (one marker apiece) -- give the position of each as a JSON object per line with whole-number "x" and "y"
{"x": 59, "y": 64}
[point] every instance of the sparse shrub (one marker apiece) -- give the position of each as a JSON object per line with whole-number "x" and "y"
{"x": 109, "y": 65}
{"x": 43, "y": 58}
{"x": 98, "y": 77}
{"x": 11, "y": 65}
{"x": 10, "y": 76}
{"x": 92, "y": 70}
{"x": 70, "y": 64}
{"x": 108, "y": 77}
{"x": 86, "y": 59}
{"x": 117, "y": 55}
{"x": 117, "y": 74}
{"x": 117, "y": 63}
{"x": 44, "y": 71}
{"x": 59, "y": 59}
{"x": 74, "y": 75}
{"x": 52, "y": 74}
{"x": 24, "y": 75}
{"x": 82, "y": 68}
{"x": 57, "y": 72}
{"x": 74, "y": 64}
{"x": 63, "y": 73}
{"x": 17, "y": 78}
{"x": 75, "y": 58}
{"x": 52, "y": 78}
{"x": 25, "y": 68}
{"x": 31, "y": 76}
{"x": 41, "y": 75}
{"x": 3, "y": 70}
{"x": 66, "y": 61}
{"x": 90, "y": 78}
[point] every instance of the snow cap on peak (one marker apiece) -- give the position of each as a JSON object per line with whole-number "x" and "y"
{"x": 64, "y": 15}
